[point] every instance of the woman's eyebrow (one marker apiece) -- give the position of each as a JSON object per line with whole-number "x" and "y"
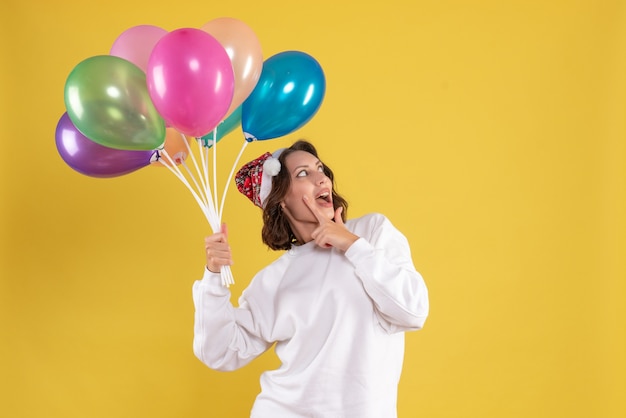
{"x": 317, "y": 163}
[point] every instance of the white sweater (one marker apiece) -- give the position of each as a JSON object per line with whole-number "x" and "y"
{"x": 337, "y": 320}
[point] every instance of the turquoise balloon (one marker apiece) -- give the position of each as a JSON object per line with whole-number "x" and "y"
{"x": 224, "y": 128}
{"x": 289, "y": 92}
{"x": 107, "y": 99}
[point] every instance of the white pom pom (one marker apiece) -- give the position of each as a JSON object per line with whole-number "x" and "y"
{"x": 271, "y": 166}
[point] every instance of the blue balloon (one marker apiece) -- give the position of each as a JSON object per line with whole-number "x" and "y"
{"x": 224, "y": 128}
{"x": 289, "y": 92}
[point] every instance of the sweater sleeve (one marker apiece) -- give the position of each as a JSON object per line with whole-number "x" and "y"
{"x": 383, "y": 263}
{"x": 225, "y": 338}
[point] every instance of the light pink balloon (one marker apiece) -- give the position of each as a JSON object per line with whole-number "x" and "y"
{"x": 135, "y": 44}
{"x": 190, "y": 81}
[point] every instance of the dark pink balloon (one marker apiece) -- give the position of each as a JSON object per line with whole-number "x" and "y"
{"x": 190, "y": 81}
{"x": 92, "y": 159}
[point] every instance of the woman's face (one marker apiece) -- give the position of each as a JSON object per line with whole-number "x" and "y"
{"x": 307, "y": 178}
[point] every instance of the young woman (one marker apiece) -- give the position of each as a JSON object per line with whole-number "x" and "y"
{"x": 336, "y": 303}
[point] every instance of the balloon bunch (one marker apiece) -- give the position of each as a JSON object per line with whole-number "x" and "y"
{"x": 145, "y": 102}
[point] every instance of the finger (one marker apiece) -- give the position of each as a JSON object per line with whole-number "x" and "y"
{"x": 316, "y": 212}
{"x": 219, "y": 253}
{"x": 338, "y": 212}
{"x": 217, "y": 245}
{"x": 210, "y": 240}
{"x": 216, "y": 242}
{"x": 224, "y": 230}
{"x": 322, "y": 237}
{"x": 215, "y": 263}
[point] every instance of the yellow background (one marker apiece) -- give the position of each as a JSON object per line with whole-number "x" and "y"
{"x": 492, "y": 133}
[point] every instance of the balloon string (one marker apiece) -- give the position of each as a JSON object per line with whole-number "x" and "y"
{"x": 205, "y": 188}
{"x": 208, "y": 212}
{"x": 204, "y": 178}
{"x": 204, "y": 154}
{"x": 205, "y": 199}
{"x": 230, "y": 176}
{"x": 219, "y": 214}
{"x": 204, "y": 158}
{"x": 227, "y": 275}
{"x": 203, "y": 151}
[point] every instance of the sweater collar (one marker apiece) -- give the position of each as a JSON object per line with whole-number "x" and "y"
{"x": 302, "y": 249}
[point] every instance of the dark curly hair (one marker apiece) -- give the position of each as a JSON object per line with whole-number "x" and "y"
{"x": 277, "y": 233}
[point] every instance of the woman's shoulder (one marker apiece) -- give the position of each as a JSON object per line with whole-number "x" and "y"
{"x": 367, "y": 222}
{"x": 369, "y": 218}
{"x": 275, "y": 268}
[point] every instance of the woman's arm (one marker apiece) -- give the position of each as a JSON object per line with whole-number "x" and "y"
{"x": 225, "y": 337}
{"x": 383, "y": 263}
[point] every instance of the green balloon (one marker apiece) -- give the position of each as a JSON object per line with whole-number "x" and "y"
{"x": 107, "y": 99}
{"x": 224, "y": 128}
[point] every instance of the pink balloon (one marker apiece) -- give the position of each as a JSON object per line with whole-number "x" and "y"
{"x": 190, "y": 81}
{"x": 135, "y": 44}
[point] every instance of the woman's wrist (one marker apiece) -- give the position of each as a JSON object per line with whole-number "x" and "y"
{"x": 212, "y": 269}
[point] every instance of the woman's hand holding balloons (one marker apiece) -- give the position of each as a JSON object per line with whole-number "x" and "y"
{"x": 217, "y": 250}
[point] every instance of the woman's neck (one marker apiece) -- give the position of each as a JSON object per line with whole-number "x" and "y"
{"x": 302, "y": 232}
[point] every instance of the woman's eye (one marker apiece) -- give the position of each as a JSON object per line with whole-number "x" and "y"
{"x": 305, "y": 172}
